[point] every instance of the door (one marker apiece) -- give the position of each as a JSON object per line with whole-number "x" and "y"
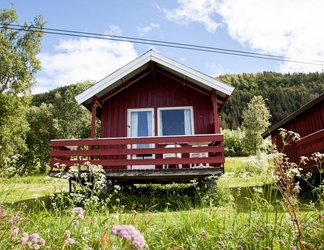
{"x": 141, "y": 124}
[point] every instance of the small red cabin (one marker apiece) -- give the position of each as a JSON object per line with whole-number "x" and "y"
{"x": 308, "y": 122}
{"x": 159, "y": 123}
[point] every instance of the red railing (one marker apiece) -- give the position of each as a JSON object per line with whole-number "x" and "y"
{"x": 123, "y": 152}
{"x": 311, "y": 143}
{"x": 308, "y": 145}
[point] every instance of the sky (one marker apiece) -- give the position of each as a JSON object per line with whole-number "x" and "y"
{"x": 291, "y": 29}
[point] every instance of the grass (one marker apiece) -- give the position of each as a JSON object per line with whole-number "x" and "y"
{"x": 243, "y": 213}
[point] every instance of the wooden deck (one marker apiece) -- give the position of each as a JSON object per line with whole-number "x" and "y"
{"x": 157, "y": 160}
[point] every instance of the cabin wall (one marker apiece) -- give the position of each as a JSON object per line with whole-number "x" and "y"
{"x": 145, "y": 93}
{"x": 308, "y": 122}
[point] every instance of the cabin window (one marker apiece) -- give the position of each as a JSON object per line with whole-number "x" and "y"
{"x": 140, "y": 124}
{"x": 175, "y": 121}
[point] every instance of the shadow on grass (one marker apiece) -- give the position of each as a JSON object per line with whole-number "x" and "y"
{"x": 161, "y": 198}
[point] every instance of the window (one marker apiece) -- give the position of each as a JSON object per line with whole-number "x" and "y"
{"x": 140, "y": 124}
{"x": 175, "y": 121}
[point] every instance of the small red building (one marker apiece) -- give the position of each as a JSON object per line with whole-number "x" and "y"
{"x": 308, "y": 122}
{"x": 159, "y": 123}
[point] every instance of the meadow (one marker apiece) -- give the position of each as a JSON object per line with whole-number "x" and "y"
{"x": 250, "y": 207}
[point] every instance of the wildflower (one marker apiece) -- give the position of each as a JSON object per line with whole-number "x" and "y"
{"x": 15, "y": 231}
{"x": 203, "y": 234}
{"x": 42, "y": 242}
{"x": 15, "y": 219}
{"x": 117, "y": 200}
{"x": 79, "y": 212}
{"x": 239, "y": 247}
{"x": 67, "y": 233}
{"x": 281, "y": 242}
{"x": 34, "y": 237}
{"x": 293, "y": 248}
{"x": 76, "y": 222}
{"x": 128, "y": 232}
{"x": 35, "y": 247}
{"x": 24, "y": 239}
{"x": 70, "y": 241}
{"x": 221, "y": 243}
{"x": 267, "y": 248}
{"x": 256, "y": 234}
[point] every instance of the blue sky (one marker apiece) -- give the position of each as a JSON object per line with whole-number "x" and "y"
{"x": 290, "y": 28}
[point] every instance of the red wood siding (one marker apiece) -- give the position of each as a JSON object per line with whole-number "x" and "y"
{"x": 308, "y": 122}
{"x": 165, "y": 92}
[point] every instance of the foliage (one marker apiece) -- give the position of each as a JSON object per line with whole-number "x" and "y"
{"x": 255, "y": 122}
{"x": 39, "y": 136}
{"x": 284, "y": 93}
{"x": 57, "y": 118}
{"x": 18, "y": 49}
{"x": 241, "y": 218}
{"x": 73, "y": 120}
{"x": 233, "y": 142}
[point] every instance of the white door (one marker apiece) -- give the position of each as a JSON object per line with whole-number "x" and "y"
{"x": 141, "y": 124}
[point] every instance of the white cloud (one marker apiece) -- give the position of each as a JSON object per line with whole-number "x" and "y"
{"x": 201, "y": 11}
{"x": 291, "y": 28}
{"x": 82, "y": 59}
{"x": 143, "y": 30}
{"x": 217, "y": 69}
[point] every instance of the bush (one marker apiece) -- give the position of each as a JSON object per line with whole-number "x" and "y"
{"x": 233, "y": 142}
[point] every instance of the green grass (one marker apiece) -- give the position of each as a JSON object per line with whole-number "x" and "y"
{"x": 247, "y": 212}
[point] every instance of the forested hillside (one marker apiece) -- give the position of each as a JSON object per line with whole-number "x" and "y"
{"x": 284, "y": 93}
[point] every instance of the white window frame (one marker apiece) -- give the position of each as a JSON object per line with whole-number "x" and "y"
{"x": 129, "y": 111}
{"x": 175, "y": 108}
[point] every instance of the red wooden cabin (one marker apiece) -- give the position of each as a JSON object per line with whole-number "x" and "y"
{"x": 308, "y": 122}
{"x": 159, "y": 123}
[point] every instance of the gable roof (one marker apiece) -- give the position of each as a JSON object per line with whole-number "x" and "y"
{"x": 299, "y": 111}
{"x": 142, "y": 63}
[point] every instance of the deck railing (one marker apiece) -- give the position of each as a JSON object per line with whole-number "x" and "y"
{"x": 311, "y": 143}
{"x": 308, "y": 145}
{"x": 128, "y": 153}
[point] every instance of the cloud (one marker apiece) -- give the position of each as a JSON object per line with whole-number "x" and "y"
{"x": 217, "y": 69}
{"x": 143, "y": 30}
{"x": 76, "y": 60}
{"x": 201, "y": 11}
{"x": 291, "y": 28}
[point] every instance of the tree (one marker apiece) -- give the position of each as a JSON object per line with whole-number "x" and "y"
{"x": 74, "y": 120}
{"x": 255, "y": 121}
{"x": 43, "y": 128}
{"x": 19, "y": 45}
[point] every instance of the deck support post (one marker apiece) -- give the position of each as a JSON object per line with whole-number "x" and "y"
{"x": 216, "y": 121}
{"x": 93, "y": 118}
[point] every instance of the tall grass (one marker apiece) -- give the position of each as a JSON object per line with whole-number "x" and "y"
{"x": 265, "y": 215}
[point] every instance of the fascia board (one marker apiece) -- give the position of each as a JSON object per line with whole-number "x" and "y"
{"x": 194, "y": 74}
{"x": 166, "y": 62}
{"x": 112, "y": 78}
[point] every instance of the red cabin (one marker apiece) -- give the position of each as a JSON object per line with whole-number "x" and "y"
{"x": 159, "y": 123}
{"x": 308, "y": 122}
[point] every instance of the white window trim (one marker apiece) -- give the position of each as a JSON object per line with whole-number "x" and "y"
{"x": 138, "y": 110}
{"x": 174, "y": 108}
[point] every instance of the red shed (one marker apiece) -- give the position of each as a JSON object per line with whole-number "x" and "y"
{"x": 159, "y": 123}
{"x": 308, "y": 122}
